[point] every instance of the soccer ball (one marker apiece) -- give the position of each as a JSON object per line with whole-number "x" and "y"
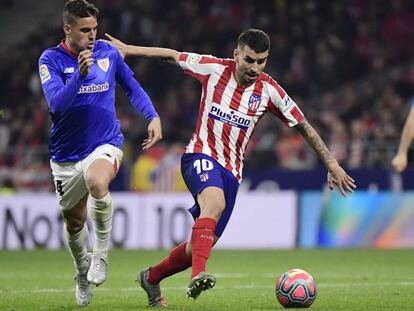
{"x": 296, "y": 289}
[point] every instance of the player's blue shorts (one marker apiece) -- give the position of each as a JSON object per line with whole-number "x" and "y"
{"x": 200, "y": 171}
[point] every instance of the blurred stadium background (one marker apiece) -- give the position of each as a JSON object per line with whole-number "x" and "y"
{"x": 348, "y": 64}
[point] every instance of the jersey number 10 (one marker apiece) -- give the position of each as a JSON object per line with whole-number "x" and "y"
{"x": 203, "y": 165}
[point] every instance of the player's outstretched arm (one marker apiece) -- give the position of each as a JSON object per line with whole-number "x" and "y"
{"x": 154, "y": 134}
{"x": 399, "y": 162}
{"x": 336, "y": 174}
{"x": 133, "y": 50}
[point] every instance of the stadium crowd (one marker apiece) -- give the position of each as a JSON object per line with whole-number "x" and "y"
{"x": 348, "y": 64}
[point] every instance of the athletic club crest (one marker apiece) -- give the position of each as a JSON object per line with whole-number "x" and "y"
{"x": 254, "y": 102}
{"x": 103, "y": 63}
{"x": 204, "y": 177}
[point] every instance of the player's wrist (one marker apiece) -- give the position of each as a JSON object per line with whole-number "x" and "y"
{"x": 152, "y": 118}
{"x": 83, "y": 73}
{"x": 402, "y": 151}
{"x": 127, "y": 50}
{"x": 331, "y": 165}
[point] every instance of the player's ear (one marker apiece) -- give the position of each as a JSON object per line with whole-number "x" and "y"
{"x": 235, "y": 54}
{"x": 67, "y": 29}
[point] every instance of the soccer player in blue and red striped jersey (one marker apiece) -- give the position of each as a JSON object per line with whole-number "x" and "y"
{"x": 78, "y": 78}
{"x": 236, "y": 93}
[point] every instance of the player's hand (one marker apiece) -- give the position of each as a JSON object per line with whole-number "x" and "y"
{"x": 154, "y": 134}
{"x": 118, "y": 44}
{"x": 337, "y": 176}
{"x": 399, "y": 162}
{"x": 85, "y": 60}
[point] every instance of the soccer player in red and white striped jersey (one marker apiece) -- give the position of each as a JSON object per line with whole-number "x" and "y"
{"x": 236, "y": 93}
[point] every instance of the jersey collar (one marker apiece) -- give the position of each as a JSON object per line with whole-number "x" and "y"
{"x": 67, "y": 49}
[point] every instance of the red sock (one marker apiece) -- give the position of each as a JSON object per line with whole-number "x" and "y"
{"x": 202, "y": 239}
{"x": 175, "y": 262}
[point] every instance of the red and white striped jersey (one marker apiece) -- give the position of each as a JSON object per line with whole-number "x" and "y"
{"x": 229, "y": 112}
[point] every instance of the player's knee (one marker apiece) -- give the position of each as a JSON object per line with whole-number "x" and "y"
{"x": 98, "y": 188}
{"x": 214, "y": 207}
{"x": 218, "y": 203}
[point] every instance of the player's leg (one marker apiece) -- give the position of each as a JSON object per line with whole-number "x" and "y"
{"x": 204, "y": 179}
{"x": 215, "y": 197}
{"x": 182, "y": 257}
{"x": 77, "y": 237}
{"x": 178, "y": 260}
{"x": 72, "y": 196}
{"x": 211, "y": 202}
{"x": 77, "y": 234}
{"x": 100, "y": 167}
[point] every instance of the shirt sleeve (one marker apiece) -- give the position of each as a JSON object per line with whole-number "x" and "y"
{"x": 59, "y": 95}
{"x": 200, "y": 66}
{"x": 282, "y": 106}
{"x": 136, "y": 94}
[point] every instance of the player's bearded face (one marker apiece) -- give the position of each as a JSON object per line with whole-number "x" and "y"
{"x": 82, "y": 34}
{"x": 249, "y": 64}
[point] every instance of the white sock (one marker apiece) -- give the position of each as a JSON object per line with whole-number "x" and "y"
{"x": 77, "y": 248}
{"x": 102, "y": 221}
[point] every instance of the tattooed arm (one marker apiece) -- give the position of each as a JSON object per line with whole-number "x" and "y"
{"x": 336, "y": 174}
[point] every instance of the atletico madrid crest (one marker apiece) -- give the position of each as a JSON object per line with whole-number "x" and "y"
{"x": 204, "y": 177}
{"x": 254, "y": 102}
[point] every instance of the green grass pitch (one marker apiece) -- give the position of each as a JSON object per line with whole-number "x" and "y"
{"x": 352, "y": 279}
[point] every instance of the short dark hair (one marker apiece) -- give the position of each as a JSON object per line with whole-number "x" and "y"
{"x": 77, "y": 9}
{"x": 255, "y": 39}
